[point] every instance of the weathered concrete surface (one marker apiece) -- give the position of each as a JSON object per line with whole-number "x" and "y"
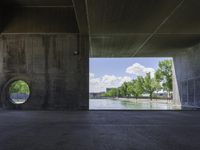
{"x": 100, "y": 130}
{"x": 141, "y": 28}
{"x": 188, "y": 76}
{"x": 58, "y": 78}
{"x": 43, "y": 43}
{"x": 37, "y": 16}
{"x": 39, "y": 20}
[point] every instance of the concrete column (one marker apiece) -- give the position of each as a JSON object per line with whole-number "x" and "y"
{"x": 187, "y": 72}
{"x": 176, "y": 93}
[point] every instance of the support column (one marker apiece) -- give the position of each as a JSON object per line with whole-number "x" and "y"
{"x": 187, "y": 72}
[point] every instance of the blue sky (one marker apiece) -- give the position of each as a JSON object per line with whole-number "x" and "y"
{"x": 111, "y": 72}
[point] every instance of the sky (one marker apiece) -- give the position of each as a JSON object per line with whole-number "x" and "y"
{"x": 112, "y": 72}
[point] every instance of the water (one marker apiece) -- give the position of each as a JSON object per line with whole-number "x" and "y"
{"x": 110, "y": 104}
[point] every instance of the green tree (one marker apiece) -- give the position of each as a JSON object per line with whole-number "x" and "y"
{"x": 123, "y": 89}
{"x": 19, "y": 87}
{"x": 119, "y": 92}
{"x": 112, "y": 93}
{"x": 136, "y": 87}
{"x": 164, "y": 75}
{"x": 129, "y": 86}
{"x": 150, "y": 85}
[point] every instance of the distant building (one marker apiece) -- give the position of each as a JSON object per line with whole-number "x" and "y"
{"x": 96, "y": 95}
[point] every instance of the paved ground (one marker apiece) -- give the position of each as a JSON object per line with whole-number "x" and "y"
{"x": 100, "y": 130}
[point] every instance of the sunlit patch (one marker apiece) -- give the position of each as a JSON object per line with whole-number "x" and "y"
{"x": 131, "y": 84}
{"x": 19, "y": 92}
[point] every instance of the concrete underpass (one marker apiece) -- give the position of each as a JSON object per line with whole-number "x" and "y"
{"x": 48, "y": 43}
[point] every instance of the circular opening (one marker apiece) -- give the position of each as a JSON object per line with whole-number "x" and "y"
{"x": 19, "y": 92}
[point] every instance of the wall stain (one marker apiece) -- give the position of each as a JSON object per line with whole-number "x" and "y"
{"x": 46, "y": 44}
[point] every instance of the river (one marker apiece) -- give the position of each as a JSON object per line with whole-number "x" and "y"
{"x": 111, "y": 104}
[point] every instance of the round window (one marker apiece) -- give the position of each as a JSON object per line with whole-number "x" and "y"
{"x": 19, "y": 92}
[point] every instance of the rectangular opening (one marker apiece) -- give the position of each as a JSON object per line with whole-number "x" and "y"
{"x": 132, "y": 84}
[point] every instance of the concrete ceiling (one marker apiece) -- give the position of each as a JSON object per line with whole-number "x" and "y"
{"x": 27, "y": 3}
{"x": 116, "y": 28}
{"x": 38, "y": 16}
{"x": 142, "y": 27}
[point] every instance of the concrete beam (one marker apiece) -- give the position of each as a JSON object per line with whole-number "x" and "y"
{"x": 39, "y": 20}
{"x": 37, "y": 3}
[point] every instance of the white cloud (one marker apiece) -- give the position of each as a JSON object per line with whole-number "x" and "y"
{"x": 139, "y": 70}
{"x": 107, "y": 81}
{"x": 91, "y": 75}
{"x": 99, "y": 84}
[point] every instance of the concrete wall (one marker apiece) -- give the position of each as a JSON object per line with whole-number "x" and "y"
{"x": 188, "y": 76}
{"x": 49, "y": 63}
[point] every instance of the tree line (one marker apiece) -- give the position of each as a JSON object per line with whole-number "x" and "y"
{"x": 19, "y": 86}
{"x": 162, "y": 80}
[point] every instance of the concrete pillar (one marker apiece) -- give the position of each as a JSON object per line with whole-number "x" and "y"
{"x": 176, "y": 94}
{"x": 56, "y": 67}
{"x": 187, "y": 72}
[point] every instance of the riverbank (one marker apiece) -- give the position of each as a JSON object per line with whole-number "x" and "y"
{"x": 153, "y": 101}
{"x": 132, "y": 104}
{"x": 165, "y": 101}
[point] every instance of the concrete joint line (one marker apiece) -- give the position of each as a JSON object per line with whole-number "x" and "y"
{"x": 158, "y": 27}
{"x": 74, "y": 6}
{"x": 87, "y": 14}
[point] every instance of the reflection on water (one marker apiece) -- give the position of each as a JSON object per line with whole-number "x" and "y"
{"x": 109, "y": 104}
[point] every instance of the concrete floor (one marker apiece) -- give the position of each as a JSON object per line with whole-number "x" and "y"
{"x": 100, "y": 130}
